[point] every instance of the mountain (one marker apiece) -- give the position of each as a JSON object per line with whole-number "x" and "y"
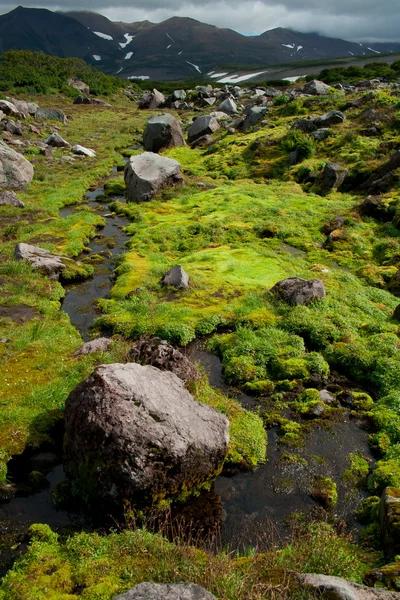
{"x": 178, "y": 48}
{"x": 56, "y": 34}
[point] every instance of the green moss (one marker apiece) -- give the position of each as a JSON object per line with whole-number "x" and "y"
{"x": 358, "y": 470}
{"x": 115, "y": 187}
{"x": 248, "y": 438}
{"x": 368, "y": 511}
{"x": 386, "y": 473}
{"x": 325, "y": 492}
{"x": 97, "y": 567}
{"x": 261, "y": 387}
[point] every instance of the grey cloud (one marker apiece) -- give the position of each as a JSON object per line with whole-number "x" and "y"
{"x": 356, "y": 20}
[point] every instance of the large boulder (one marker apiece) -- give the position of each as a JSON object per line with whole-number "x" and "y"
{"x": 176, "y": 96}
{"x": 335, "y": 588}
{"x": 202, "y": 126}
{"x": 135, "y": 434}
{"x": 253, "y": 115}
{"x": 93, "y": 101}
{"x": 40, "y": 259}
{"x": 10, "y": 199}
{"x": 176, "y": 277}
{"x": 158, "y": 353}
{"x": 9, "y": 109}
{"x": 151, "y": 100}
{"x": 13, "y": 127}
{"x": 166, "y": 591}
{"x": 15, "y": 170}
{"x": 316, "y": 88}
{"x": 305, "y": 125}
{"x": 56, "y": 141}
{"x": 82, "y": 151}
{"x": 228, "y": 106}
{"x": 333, "y": 117}
{"x": 389, "y": 516}
{"x": 162, "y": 131}
{"x": 148, "y": 173}
{"x": 21, "y": 106}
{"x": 55, "y": 114}
{"x": 333, "y": 176}
{"x": 295, "y": 290}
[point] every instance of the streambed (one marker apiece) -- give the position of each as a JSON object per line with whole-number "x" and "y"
{"x": 255, "y": 507}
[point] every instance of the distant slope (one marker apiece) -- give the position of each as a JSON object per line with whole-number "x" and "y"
{"x": 178, "y": 48}
{"x": 55, "y": 34}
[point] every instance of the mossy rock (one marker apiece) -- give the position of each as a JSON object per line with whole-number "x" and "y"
{"x": 325, "y": 492}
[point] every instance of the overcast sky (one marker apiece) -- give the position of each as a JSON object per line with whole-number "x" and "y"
{"x": 357, "y": 20}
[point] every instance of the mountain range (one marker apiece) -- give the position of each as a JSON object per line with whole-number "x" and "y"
{"x": 178, "y": 48}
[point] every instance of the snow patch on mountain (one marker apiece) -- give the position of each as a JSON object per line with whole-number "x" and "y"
{"x": 142, "y": 77}
{"x": 96, "y": 57}
{"x": 288, "y": 46}
{"x": 372, "y": 50}
{"x": 128, "y": 38}
{"x": 195, "y": 66}
{"x": 128, "y": 56}
{"x": 105, "y": 36}
{"x": 240, "y": 78}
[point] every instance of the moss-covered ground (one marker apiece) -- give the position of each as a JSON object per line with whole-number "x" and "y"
{"x": 94, "y": 567}
{"x": 243, "y": 220}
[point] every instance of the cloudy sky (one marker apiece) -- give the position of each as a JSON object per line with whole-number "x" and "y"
{"x": 357, "y": 20}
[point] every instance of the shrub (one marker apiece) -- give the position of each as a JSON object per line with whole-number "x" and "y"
{"x": 297, "y": 140}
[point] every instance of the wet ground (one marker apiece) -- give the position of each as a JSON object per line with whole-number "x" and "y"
{"x": 255, "y": 508}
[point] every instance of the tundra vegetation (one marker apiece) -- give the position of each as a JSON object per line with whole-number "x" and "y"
{"x": 253, "y": 210}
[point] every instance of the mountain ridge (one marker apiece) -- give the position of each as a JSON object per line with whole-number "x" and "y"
{"x": 177, "y": 48}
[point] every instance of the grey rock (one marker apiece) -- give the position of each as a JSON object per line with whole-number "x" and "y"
{"x": 316, "y": 88}
{"x": 326, "y": 397}
{"x": 93, "y": 101}
{"x": 166, "y": 591}
{"x": 135, "y": 434}
{"x": 321, "y": 134}
{"x": 41, "y": 260}
{"x": 295, "y": 290}
{"x": 333, "y": 176}
{"x": 158, "y": 353}
{"x": 346, "y": 398}
{"x": 176, "y": 277}
{"x": 11, "y": 199}
{"x": 334, "y": 117}
{"x": 177, "y": 95}
{"x": 9, "y": 109}
{"x": 15, "y": 170}
{"x": 335, "y": 588}
{"x": 304, "y": 125}
{"x": 82, "y": 151}
{"x": 294, "y": 157}
{"x": 54, "y": 114}
{"x": 253, "y": 115}
{"x": 79, "y": 85}
{"x": 32, "y": 108}
{"x": 162, "y": 131}
{"x": 217, "y": 114}
{"x": 21, "y": 106}
{"x": 56, "y": 141}
{"x": 148, "y": 173}
{"x": 389, "y": 518}
{"x": 228, "y": 106}
{"x": 207, "y": 101}
{"x": 202, "y": 126}
{"x": 205, "y": 140}
{"x": 98, "y": 345}
{"x": 151, "y": 100}
{"x": 11, "y": 126}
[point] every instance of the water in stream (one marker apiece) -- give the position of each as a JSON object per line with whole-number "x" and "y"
{"x": 253, "y": 504}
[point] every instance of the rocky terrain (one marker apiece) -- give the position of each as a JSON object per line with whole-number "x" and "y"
{"x": 199, "y": 332}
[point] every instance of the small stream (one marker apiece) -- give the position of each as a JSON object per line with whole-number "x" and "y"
{"x": 254, "y": 507}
